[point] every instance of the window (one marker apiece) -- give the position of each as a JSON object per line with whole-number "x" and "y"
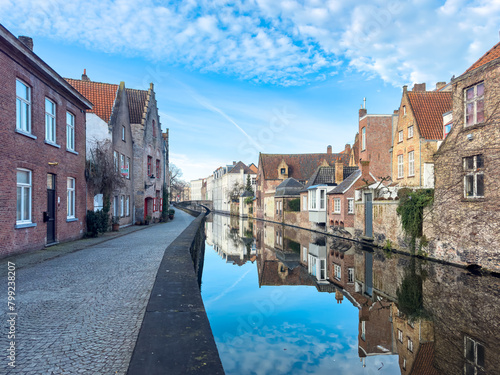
{"x": 122, "y": 165}
{"x": 411, "y": 163}
{"x": 400, "y": 335}
{"x": 70, "y": 131}
{"x": 322, "y": 199}
{"x": 400, "y": 136}
{"x": 474, "y": 357}
{"x": 474, "y": 104}
{"x": 23, "y": 107}
{"x": 115, "y": 205}
{"x": 304, "y": 203}
{"x": 50, "y": 121}
{"x": 312, "y": 199}
{"x": 404, "y": 363}
{"x": 350, "y": 205}
{"x": 404, "y": 110}
{"x": 127, "y": 205}
{"x": 283, "y": 171}
{"x": 71, "y": 198}
{"x": 23, "y": 196}
{"x": 336, "y": 205}
{"x": 127, "y": 168}
{"x": 410, "y": 345}
{"x": 150, "y": 160}
{"x": 98, "y": 202}
{"x": 410, "y": 131}
{"x": 254, "y": 180}
{"x": 115, "y": 159}
{"x": 363, "y": 139}
{"x": 474, "y": 176}
{"x": 400, "y": 166}
{"x": 447, "y": 128}
{"x": 157, "y": 168}
{"x": 123, "y": 133}
{"x": 122, "y": 205}
{"x": 350, "y": 275}
{"x": 337, "y": 271}
{"x": 304, "y": 254}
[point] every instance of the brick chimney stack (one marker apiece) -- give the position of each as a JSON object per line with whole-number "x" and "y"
{"x": 362, "y": 112}
{"x": 365, "y": 169}
{"x": 84, "y": 76}
{"x": 339, "y": 171}
{"x": 419, "y": 87}
{"x": 27, "y": 41}
{"x": 329, "y": 149}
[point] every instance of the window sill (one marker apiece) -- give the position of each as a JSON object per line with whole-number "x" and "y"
{"x": 71, "y": 219}
{"x": 474, "y": 126}
{"x": 29, "y": 135}
{"x": 27, "y": 225}
{"x": 411, "y": 175}
{"x": 72, "y": 151}
{"x": 52, "y": 144}
{"x": 473, "y": 200}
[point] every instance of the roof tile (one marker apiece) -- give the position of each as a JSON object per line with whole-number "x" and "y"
{"x": 428, "y": 108}
{"x": 491, "y": 55}
{"x": 136, "y": 103}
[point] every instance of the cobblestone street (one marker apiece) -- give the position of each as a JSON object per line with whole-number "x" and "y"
{"x": 80, "y": 313}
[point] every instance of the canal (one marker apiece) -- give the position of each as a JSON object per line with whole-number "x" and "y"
{"x": 281, "y": 300}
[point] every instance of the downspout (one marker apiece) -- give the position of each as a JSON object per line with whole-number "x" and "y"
{"x": 420, "y": 160}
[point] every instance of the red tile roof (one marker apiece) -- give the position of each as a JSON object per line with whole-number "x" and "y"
{"x": 423, "y": 363}
{"x": 491, "y": 55}
{"x": 428, "y": 108}
{"x": 102, "y": 95}
{"x": 239, "y": 166}
{"x": 136, "y": 103}
{"x": 300, "y": 166}
{"x": 254, "y": 168}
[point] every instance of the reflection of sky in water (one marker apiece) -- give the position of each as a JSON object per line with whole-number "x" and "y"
{"x": 283, "y": 329}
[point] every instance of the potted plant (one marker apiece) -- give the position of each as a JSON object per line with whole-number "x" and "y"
{"x": 147, "y": 220}
{"x": 115, "y": 223}
{"x": 171, "y": 213}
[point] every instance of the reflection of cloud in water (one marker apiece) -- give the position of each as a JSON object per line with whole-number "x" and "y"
{"x": 297, "y": 349}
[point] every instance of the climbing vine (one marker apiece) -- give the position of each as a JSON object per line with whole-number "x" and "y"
{"x": 411, "y": 210}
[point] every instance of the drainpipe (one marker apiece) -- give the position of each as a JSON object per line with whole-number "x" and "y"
{"x": 420, "y": 161}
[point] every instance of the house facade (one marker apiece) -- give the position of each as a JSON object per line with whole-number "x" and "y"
{"x": 148, "y": 150}
{"x": 109, "y": 121}
{"x": 417, "y": 135}
{"x": 43, "y": 151}
{"x": 464, "y": 220}
{"x": 225, "y": 180}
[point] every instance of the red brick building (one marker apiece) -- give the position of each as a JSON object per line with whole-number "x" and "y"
{"x": 42, "y": 134}
{"x": 375, "y": 142}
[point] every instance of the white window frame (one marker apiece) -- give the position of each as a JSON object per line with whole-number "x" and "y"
{"x": 411, "y": 163}
{"x": 337, "y": 271}
{"x": 350, "y": 205}
{"x": 473, "y": 101}
{"x": 410, "y": 131}
{"x": 115, "y": 159}
{"x": 98, "y": 202}
{"x": 122, "y": 205}
{"x": 122, "y": 164}
{"x": 50, "y": 122}
{"x": 400, "y": 335}
{"x": 304, "y": 203}
{"x": 401, "y": 172}
{"x": 128, "y": 167}
{"x": 337, "y": 205}
{"x": 70, "y": 199}
{"x": 410, "y": 345}
{"x": 363, "y": 139}
{"x": 127, "y": 205}
{"x": 304, "y": 254}
{"x": 70, "y": 131}
{"x": 123, "y": 133}
{"x": 23, "y": 109}
{"x": 322, "y": 199}
{"x": 474, "y": 173}
{"x": 350, "y": 275}
{"x": 312, "y": 199}
{"x": 400, "y": 136}
{"x": 474, "y": 362}
{"x": 115, "y": 205}
{"x": 20, "y": 218}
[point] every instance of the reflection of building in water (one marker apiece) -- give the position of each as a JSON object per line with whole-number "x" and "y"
{"x": 232, "y": 239}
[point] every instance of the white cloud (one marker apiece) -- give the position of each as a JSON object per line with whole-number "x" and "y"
{"x": 286, "y": 42}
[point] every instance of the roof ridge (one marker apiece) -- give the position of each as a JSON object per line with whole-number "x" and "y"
{"x": 483, "y": 57}
{"x": 102, "y": 83}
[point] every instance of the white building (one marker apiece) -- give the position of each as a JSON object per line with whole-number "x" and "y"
{"x": 196, "y": 189}
{"x": 225, "y": 179}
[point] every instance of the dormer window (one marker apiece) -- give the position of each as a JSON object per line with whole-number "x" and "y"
{"x": 283, "y": 171}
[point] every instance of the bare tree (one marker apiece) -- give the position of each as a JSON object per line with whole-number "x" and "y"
{"x": 176, "y": 184}
{"x": 234, "y": 193}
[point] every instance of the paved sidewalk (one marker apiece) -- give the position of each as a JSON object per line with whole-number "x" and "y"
{"x": 79, "y": 312}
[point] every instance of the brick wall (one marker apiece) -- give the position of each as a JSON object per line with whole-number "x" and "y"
{"x": 378, "y": 142}
{"x": 21, "y": 151}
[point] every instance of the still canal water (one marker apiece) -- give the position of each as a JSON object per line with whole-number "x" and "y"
{"x": 287, "y": 301}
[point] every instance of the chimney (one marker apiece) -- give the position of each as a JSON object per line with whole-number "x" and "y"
{"x": 405, "y": 89}
{"x": 347, "y": 149}
{"x": 84, "y": 76}
{"x": 440, "y": 85}
{"x": 329, "y": 149}
{"x": 27, "y": 41}
{"x": 362, "y": 112}
{"x": 419, "y": 87}
{"x": 339, "y": 171}
{"x": 234, "y": 163}
{"x": 365, "y": 169}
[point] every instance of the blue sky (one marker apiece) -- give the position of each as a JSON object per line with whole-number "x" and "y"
{"x": 275, "y": 76}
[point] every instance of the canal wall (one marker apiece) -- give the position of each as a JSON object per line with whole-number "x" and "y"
{"x": 175, "y": 335}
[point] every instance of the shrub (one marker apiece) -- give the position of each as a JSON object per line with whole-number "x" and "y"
{"x": 294, "y": 205}
{"x": 171, "y": 211}
{"x": 97, "y": 222}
